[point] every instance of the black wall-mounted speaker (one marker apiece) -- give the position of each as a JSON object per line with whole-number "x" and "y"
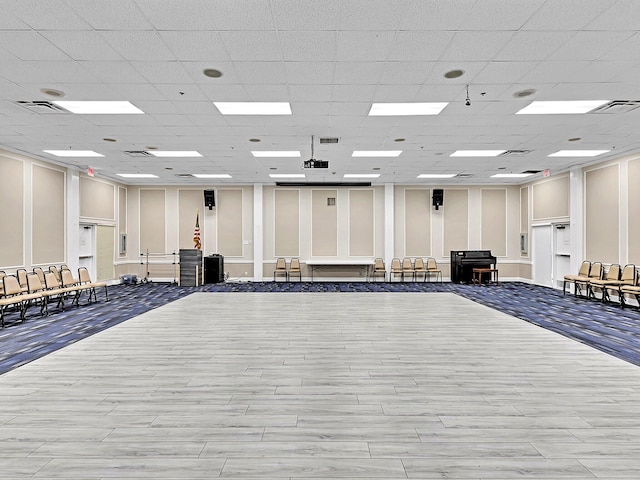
{"x": 209, "y": 199}
{"x": 438, "y": 197}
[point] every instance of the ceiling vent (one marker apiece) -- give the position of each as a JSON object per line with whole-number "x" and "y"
{"x": 617, "y": 106}
{"x": 532, "y": 172}
{"x": 138, "y": 153}
{"x": 41, "y": 106}
{"x": 329, "y": 140}
{"x": 184, "y": 175}
{"x": 514, "y": 153}
{"x": 323, "y": 184}
{"x": 464, "y": 175}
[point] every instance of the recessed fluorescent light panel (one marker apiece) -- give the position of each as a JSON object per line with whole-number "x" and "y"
{"x": 561, "y": 107}
{"x": 74, "y": 153}
{"x": 287, "y": 175}
{"x": 361, "y": 175}
{"x": 400, "y": 109}
{"x": 477, "y": 153}
{"x": 376, "y": 153}
{"x": 276, "y": 154}
{"x": 176, "y": 153}
{"x": 436, "y": 175}
{"x": 253, "y": 108}
{"x": 511, "y": 175}
{"x": 211, "y": 175}
{"x": 99, "y": 107}
{"x": 136, "y": 175}
{"x": 578, "y": 153}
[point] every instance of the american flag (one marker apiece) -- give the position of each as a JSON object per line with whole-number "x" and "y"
{"x": 196, "y": 232}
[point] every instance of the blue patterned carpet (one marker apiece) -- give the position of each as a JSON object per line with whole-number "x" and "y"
{"x": 605, "y": 327}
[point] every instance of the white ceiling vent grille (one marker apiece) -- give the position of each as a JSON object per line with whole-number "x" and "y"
{"x": 184, "y": 175}
{"x": 329, "y": 140}
{"x": 617, "y": 106}
{"x": 138, "y": 153}
{"x": 514, "y": 153}
{"x": 464, "y": 175}
{"x": 40, "y": 106}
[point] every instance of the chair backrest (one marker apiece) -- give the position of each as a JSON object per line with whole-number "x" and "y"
{"x": 281, "y": 264}
{"x": 64, "y": 267}
{"x": 295, "y": 264}
{"x": 379, "y": 264}
{"x": 407, "y": 264}
{"x": 50, "y": 280}
{"x": 11, "y": 285}
{"x": 584, "y": 269}
{"x": 596, "y": 270}
{"x": 395, "y": 264}
{"x": 21, "y": 273}
{"x": 34, "y": 283}
{"x": 2, "y": 274}
{"x": 614, "y": 272}
{"x": 67, "y": 278}
{"x": 38, "y": 271}
{"x": 629, "y": 274}
{"x": 83, "y": 275}
{"x": 419, "y": 264}
{"x": 53, "y": 269}
{"x": 432, "y": 264}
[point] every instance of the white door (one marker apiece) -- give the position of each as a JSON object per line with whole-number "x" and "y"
{"x": 87, "y": 248}
{"x": 542, "y": 255}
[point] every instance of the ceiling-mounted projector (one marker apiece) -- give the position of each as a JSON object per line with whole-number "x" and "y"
{"x": 312, "y": 162}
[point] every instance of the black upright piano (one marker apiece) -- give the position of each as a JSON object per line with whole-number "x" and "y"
{"x": 464, "y": 261}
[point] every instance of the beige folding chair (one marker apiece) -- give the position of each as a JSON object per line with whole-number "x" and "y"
{"x": 629, "y": 278}
{"x": 15, "y": 296}
{"x": 432, "y": 269}
{"x": 419, "y": 268}
{"x": 612, "y": 277}
{"x": 53, "y": 269}
{"x": 85, "y": 279}
{"x": 631, "y": 291}
{"x": 69, "y": 283}
{"x": 583, "y": 274}
{"x": 21, "y": 273}
{"x": 281, "y": 269}
{"x": 396, "y": 269}
{"x": 595, "y": 273}
{"x": 379, "y": 268}
{"x": 407, "y": 268}
{"x": 294, "y": 268}
{"x": 38, "y": 271}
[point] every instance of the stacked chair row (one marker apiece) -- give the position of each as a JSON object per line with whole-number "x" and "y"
{"x": 591, "y": 281}
{"x": 41, "y": 288}
{"x": 409, "y": 269}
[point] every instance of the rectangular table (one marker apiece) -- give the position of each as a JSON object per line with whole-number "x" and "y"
{"x": 316, "y": 264}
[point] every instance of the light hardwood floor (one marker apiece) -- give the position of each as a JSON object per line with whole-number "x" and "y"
{"x": 322, "y": 385}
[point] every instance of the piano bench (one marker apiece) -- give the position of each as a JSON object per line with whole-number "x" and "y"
{"x": 479, "y": 272}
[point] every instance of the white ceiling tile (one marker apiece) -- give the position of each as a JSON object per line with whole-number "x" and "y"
{"x": 590, "y": 45}
{"x": 49, "y": 15}
{"x": 503, "y": 72}
{"x": 306, "y": 15}
{"x": 261, "y": 72}
{"x": 30, "y": 45}
{"x": 353, "y": 93}
{"x": 267, "y": 93}
{"x": 163, "y": 72}
{"x": 435, "y": 14}
{"x": 252, "y": 46}
{"x": 558, "y": 71}
{"x": 111, "y": 15}
{"x": 353, "y": 73}
{"x": 364, "y": 45}
{"x": 139, "y": 46}
{"x": 371, "y": 15}
{"x": 311, "y": 93}
{"x": 113, "y": 72}
{"x": 225, "y": 93}
{"x": 527, "y": 46}
{"x": 475, "y": 46}
{"x": 420, "y": 45}
{"x": 406, "y": 73}
{"x": 315, "y": 73}
{"x": 396, "y": 93}
{"x": 317, "y": 46}
{"x": 194, "y": 46}
{"x": 82, "y": 45}
{"x": 627, "y": 50}
{"x": 496, "y": 15}
{"x": 567, "y": 15}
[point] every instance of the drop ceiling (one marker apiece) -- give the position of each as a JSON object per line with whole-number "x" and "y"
{"x": 331, "y": 60}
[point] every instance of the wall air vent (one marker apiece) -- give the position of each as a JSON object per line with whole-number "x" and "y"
{"x": 41, "y": 106}
{"x": 328, "y": 140}
{"x": 617, "y": 106}
{"x": 514, "y": 153}
{"x": 138, "y": 153}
